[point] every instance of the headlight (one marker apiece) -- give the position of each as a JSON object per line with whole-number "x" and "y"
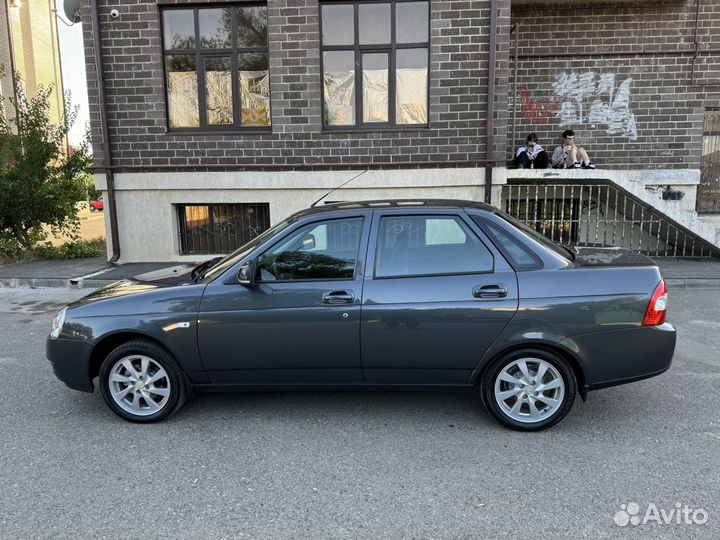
{"x": 57, "y": 323}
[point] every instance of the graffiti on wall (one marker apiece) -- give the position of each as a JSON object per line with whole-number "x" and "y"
{"x": 587, "y": 98}
{"x": 537, "y": 110}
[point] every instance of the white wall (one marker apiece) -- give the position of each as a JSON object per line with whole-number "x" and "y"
{"x": 148, "y": 224}
{"x": 146, "y": 202}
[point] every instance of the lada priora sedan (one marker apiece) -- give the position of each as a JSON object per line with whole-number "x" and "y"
{"x": 390, "y": 294}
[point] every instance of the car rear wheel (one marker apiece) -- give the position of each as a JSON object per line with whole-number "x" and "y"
{"x": 529, "y": 389}
{"x": 141, "y": 382}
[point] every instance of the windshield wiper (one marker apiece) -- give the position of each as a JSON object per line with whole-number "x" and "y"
{"x": 199, "y": 271}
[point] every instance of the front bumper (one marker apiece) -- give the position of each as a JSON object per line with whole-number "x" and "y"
{"x": 622, "y": 356}
{"x": 70, "y": 359}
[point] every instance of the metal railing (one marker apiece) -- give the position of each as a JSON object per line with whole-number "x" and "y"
{"x": 600, "y": 214}
{"x": 708, "y": 191}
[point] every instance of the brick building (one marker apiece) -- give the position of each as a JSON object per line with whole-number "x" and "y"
{"x": 637, "y": 63}
{"x": 29, "y": 47}
{"x": 223, "y": 118}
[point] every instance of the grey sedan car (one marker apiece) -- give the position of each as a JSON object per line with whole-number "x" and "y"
{"x": 380, "y": 294}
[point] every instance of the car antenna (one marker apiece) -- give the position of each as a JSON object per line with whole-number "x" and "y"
{"x": 313, "y": 205}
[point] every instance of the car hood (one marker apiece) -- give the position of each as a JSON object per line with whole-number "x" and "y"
{"x": 611, "y": 256}
{"x": 171, "y": 276}
{"x": 174, "y": 276}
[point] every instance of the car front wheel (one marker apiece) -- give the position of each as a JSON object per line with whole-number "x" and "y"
{"x": 529, "y": 390}
{"x": 141, "y": 382}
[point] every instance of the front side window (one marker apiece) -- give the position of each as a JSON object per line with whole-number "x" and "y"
{"x": 375, "y": 63}
{"x": 217, "y": 67}
{"x": 325, "y": 250}
{"x": 427, "y": 246}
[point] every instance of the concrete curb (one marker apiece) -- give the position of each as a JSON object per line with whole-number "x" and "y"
{"x": 53, "y": 283}
{"x": 692, "y": 283}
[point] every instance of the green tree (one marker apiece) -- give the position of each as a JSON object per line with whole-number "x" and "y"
{"x": 41, "y": 181}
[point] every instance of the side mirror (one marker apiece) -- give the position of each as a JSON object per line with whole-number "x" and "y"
{"x": 246, "y": 274}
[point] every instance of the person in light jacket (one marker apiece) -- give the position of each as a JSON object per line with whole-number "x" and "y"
{"x": 569, "y": 156}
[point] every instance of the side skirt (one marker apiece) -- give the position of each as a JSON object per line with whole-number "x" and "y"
{"x": 362, "y": 387}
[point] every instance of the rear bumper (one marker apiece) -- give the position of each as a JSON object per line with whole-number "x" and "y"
{"x": 70, "y": 360}
{"x": 622, "y": 356}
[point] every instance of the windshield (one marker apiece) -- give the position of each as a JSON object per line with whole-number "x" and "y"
{"x": 245, "y": 250}
{"x": 565, "y": 253}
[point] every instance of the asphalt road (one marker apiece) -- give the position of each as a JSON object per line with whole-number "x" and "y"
{"x": 354, "y": 465}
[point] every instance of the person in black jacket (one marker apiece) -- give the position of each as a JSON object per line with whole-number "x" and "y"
{"x": 532, "y": 155}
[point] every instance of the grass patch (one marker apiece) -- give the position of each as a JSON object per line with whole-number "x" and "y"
{"x": 79, "y": 249}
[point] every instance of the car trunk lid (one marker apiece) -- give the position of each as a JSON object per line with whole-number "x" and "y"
{"x": 609, "y": 256}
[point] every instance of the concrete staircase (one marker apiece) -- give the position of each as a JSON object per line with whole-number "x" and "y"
{"x": 671, "y": 192}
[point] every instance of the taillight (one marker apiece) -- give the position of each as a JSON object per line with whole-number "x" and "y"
{"x": 657, "y": 308}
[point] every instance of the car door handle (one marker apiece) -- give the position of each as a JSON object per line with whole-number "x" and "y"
{"x": 338, "y": 297}
{"x": 490, "y": 291}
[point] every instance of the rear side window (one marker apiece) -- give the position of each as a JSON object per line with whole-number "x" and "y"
{"x": 520, "y": 255}
{"x": 324, "y": 250}
{"x": 535, "y": 235}
{"x": 427, "y": 246}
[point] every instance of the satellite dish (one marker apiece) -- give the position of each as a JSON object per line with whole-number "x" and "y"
{"x": 72, "y": 10}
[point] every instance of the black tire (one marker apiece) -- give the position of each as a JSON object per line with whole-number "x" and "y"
{"x": 178, "y": 391}
{"x": 493, "y": 370}
{"x": 92, "y": 208}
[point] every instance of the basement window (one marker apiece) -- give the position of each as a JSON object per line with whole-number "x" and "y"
{"x": 209, "y": 229}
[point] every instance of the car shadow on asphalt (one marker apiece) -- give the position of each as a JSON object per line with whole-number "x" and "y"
{"x": 604, "y": 410}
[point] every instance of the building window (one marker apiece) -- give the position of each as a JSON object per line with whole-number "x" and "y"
{"x": 216, "y": 67}
{"x": 220, "y": 228}
{"x": 375, "y": 63}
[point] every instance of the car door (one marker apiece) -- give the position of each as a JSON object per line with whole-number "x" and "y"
{"x": 436, "y": 295}
{"x": 300, "y": 322}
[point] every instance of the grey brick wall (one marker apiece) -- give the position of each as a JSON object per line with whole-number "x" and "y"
{"x": 136, "y": 102}
{"x": 649, "y": 44}
{"x": 502, "y": 80}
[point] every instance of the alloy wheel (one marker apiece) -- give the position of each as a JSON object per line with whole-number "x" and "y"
{"x": 529, "y": 390}
{"x": 139, "y": 385}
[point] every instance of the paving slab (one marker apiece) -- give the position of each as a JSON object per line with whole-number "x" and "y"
{"x": 59, "y": 268}
{"x": 78, "y": 273}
